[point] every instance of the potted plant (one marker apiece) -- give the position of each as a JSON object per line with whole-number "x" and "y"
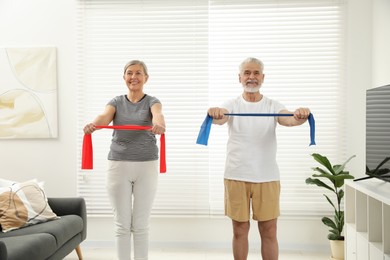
{"x": 334, "y": 177}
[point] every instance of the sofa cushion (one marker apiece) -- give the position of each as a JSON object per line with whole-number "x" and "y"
{"x": 23, "y": 204}
{"x": 34, "y": 246}
{"x": 62, "y": 229}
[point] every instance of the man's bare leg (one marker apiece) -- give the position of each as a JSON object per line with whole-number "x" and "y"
{"x": 269, "y": 241}
{"x": 240, "y": 240}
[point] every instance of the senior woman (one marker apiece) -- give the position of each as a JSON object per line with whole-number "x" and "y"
{"x": 132, "y": 160}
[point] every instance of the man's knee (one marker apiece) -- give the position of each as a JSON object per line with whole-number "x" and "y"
{"x": 268, "y": 228}
{"x": 240, "y": 228}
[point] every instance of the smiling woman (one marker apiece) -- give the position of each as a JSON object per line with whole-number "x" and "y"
{"x": 132, "y": 173}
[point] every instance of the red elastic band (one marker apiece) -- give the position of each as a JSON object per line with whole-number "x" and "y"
{"x": 87, "y": 153}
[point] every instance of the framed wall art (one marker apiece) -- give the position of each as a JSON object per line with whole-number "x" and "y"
{"x": 28, "y": 93}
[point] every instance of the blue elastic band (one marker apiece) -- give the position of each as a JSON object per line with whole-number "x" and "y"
{"x": 203, "y": 136}
{"x": 204, "y": 132}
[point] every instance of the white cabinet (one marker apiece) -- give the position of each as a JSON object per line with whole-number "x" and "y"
{"x": 367, "y": 220}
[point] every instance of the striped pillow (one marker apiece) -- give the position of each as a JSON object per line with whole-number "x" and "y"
{"x": 23, "y": 204}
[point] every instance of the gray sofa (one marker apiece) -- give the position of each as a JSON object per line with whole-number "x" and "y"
{"x": 50, "y": 240}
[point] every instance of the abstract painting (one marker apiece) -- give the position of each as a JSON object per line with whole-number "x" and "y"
{"x": 28, "y": 93}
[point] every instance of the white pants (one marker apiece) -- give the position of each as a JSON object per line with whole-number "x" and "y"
{"x": 131, "y": 188}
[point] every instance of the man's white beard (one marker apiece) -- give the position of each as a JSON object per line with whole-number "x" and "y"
{"x": 251, "y": 89}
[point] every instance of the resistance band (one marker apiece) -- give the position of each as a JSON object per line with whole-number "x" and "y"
{"x": 204, "y": 133}
{"x": 87, "y": 153}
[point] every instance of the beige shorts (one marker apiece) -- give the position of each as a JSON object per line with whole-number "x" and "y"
{"x": 264, "y": 198}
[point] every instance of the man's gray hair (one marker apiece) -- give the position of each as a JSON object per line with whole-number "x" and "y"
{"x": 251, "y": 60}
{"x": 136, "y": 62}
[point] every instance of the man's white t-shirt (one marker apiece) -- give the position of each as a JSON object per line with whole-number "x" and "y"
{"x": 251, "y": 147}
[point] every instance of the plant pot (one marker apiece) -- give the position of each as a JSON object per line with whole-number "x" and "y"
{"x": 337, "y": 247}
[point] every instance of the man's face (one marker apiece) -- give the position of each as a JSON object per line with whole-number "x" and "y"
{"x": 251, "y": 77}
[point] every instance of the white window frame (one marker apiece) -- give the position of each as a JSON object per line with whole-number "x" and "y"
{"x": 193, "y": 49}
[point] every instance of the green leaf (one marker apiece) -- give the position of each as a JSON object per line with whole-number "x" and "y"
{"x": 328, "y": 222}
{"x": 319, "y": 183}
{"x": 323, "y": 161}
{"x": 339, "y": 179}
{"x": 325, "y": 175}
{"x": 322, "y": 171}
{"x": 340, "y": 168}
{"x": 334, "y": 231}
{"x": 331, "y": 203}
{"x": 336, "y": 180}
{"x": 340, "y": 196}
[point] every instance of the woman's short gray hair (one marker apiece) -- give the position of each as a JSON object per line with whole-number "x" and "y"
{"x": 136, "y": 62}
{"x": 251, "y": 60}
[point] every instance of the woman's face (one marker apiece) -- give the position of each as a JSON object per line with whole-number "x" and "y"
{"x": 135, "y": 77}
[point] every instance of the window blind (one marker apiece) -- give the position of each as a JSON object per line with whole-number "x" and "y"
{"x": 193, "y": 50}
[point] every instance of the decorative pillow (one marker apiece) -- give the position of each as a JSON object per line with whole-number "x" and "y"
{"x": 23, "y": 204}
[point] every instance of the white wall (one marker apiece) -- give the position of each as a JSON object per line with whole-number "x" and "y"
{"x": 381, "y": 43}
{"x": 359, "y": 78}
{"x": 368, "y": 66}
{"x": 44, "y": 23}
{"x": 53, "y": 23}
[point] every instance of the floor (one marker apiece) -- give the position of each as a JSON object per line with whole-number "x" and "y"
{"x": 191, "y": 254}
